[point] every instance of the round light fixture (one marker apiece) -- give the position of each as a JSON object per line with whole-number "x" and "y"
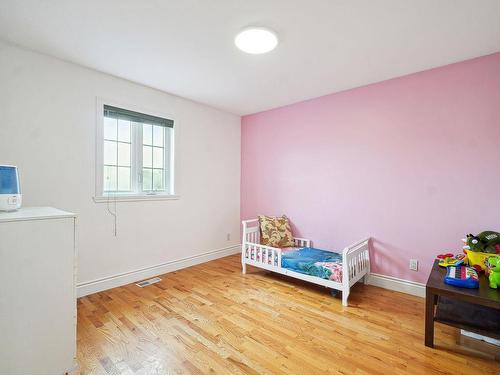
{"x": 256, "y": 40}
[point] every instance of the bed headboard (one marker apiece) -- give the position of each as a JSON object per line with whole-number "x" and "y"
{"x": 251, "y": 231}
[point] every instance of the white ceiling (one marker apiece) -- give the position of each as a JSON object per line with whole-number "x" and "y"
{"x": 185, "y": 47}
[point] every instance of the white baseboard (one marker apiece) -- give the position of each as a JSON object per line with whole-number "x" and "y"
{"x": 94, "y": 286}
{"x": 398, "y": 285}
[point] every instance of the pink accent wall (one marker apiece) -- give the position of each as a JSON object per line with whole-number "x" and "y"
{"x": 413, "y": 162}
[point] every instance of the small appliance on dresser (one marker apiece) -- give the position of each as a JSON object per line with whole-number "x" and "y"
{"x": 37, "y": 292}
{"x": 10, "y": 191}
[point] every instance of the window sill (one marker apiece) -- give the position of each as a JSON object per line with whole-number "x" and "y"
{"x": 135, "y": 198}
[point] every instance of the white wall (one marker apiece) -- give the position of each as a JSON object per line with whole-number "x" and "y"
{"x": 47, "y": 128}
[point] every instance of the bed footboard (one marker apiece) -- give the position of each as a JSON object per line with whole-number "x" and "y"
{"x": 355, "y": 265}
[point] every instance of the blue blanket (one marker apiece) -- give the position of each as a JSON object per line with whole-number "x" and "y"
{"x": 314, "y": 262}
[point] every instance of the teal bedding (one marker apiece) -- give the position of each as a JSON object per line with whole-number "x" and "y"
{"x": 314, "y": 262}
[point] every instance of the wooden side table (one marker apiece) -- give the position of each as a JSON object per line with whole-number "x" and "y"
{"x": 474, "y": 310}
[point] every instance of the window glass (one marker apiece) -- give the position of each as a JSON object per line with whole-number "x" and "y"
{"x": 158, "y": 157}
{"x": 123, "y": 179}
{"x": 147, "y": 134}
{"x": 110, "y": 128}
{"x": 110, "y": 153}
{"x": 124, "y": 154}
{"x": 124, "y": 131}
{"x": 158, "y": 179}
{"x": 110, "y": 178}
{"x": 147, "y": 179}
{"x": 147, "y": 156}
{"x": 158, "y": 136}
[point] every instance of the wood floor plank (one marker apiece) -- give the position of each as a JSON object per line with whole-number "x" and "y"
{"x": 212, "y": 319}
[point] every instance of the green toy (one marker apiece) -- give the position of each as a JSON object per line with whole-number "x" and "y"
{"x": 494, "y": 267}
{"x": 484, "y": 242}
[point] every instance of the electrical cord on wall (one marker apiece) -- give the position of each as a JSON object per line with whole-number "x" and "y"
{"x": 112, "y": 213}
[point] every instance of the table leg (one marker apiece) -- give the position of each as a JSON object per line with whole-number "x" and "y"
{"x": 430, "y": 300}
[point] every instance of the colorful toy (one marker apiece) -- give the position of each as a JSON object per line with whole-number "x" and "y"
{"x": 478, "y": 268}
{"x": 493, "y": 261}
{"x": 476, "y": 259}
{"x": 493, "y": 264}
{"x": 462, "y": 277}
{"x": 495, "y": 278}
{"x": 443, "y": 256}
{"x": 485, "y": 242}
{"x": 446, "y": 260}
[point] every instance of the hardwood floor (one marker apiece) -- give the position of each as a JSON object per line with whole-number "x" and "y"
{"x": 212, "y": 319}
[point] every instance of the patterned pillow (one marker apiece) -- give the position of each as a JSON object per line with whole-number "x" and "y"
{"x": 275, "y": 231}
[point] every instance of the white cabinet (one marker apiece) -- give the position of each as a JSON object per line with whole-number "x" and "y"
{"x": 37, "y": 292}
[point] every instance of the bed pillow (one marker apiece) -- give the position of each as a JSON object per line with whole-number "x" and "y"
{"x": 275, "y": 231}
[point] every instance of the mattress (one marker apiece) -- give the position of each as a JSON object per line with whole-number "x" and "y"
{"x": 314, "y": 262}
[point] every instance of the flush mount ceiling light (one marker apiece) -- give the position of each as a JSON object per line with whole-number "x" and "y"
{"x": 256, "y": 40}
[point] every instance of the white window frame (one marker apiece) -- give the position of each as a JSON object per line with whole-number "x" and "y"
{"x": 170, "y": 159}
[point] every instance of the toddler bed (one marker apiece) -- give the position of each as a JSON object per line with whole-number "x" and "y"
{"x": 338, "y": 271}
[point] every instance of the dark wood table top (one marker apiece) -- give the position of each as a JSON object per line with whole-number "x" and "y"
{"x": 484, "y": 295}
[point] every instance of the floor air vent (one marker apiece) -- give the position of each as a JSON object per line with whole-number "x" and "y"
{"x": 144, "y": 283}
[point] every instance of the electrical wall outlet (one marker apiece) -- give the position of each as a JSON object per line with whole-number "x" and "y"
{"x": 228, "y": 236}
{"x": 414, "y": 264}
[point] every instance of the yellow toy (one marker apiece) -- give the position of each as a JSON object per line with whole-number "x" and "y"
{"x": 477, "y": 259}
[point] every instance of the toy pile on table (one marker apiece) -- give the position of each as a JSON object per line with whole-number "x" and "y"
{"x": 481, "y": 253}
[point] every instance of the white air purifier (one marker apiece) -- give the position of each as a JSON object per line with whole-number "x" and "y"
{"x": 10, "y": 191}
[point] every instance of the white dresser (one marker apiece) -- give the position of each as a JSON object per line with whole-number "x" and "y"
{"x": 37, "y": 292}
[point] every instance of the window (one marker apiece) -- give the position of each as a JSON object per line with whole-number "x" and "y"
{"x": 134, "y": 154}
